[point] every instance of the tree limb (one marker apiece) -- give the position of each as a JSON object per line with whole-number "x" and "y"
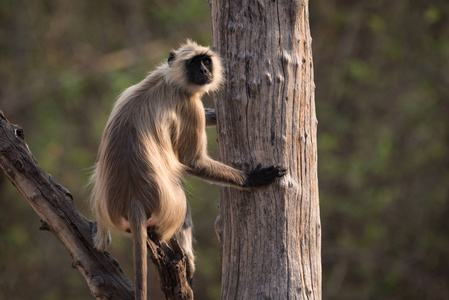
{"x": 172, "y": 267}
{"x": 54, "y": 204}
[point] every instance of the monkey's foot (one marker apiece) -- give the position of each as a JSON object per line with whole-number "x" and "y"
{"x": 127, "y": 227}
{"x": 151, "y": 221}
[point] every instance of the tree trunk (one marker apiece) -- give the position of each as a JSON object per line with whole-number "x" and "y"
{"x": 270, "y": 237}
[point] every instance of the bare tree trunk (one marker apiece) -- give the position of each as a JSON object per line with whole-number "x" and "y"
{"x": 271, "y": 237}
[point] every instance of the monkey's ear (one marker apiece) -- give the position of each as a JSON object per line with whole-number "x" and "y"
{"x": 171, "y": 57}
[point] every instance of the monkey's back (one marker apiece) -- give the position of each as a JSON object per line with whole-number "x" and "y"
{"x": 137, "y": 162}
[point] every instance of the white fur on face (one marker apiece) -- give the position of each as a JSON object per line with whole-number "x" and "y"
{"x": 176, "y": 72}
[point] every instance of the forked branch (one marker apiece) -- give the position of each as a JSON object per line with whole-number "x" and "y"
{"x": 54, "y": 204}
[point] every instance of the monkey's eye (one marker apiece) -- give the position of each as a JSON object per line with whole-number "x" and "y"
{"x": 207, "y": 61}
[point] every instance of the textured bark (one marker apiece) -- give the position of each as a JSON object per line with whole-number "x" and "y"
{"x": 54, "y": 204}
{"x": 270, "y": 237}
{"x": 171, "y": 264}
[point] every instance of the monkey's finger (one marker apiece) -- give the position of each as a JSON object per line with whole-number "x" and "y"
{"x": 283, "y": 170}
{"x": 276, "y": 168}
{"x": 282, "y": 173}
{"x": 279, "y": 167}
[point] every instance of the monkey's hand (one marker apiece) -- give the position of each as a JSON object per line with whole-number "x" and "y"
{"x": 264, "y": 176}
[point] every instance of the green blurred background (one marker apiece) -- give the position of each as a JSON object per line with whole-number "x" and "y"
{"x": 382, "y": 97}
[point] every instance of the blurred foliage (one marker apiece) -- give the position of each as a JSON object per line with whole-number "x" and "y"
{"x": 381, "y": 71}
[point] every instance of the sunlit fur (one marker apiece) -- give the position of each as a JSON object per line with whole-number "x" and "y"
{"x": 143, "y": 164}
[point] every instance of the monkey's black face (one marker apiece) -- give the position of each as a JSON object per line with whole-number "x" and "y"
{"x": 199, "y": 69}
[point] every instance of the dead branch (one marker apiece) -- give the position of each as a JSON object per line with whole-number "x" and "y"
{"x": 55, "y": 205}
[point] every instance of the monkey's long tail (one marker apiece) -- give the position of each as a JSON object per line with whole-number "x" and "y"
{"x": 138, "y": 223}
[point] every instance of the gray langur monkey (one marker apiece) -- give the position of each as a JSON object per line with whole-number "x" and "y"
{"x": 155, "y": 134}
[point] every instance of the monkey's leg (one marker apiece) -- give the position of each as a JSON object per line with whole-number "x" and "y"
{"x": 102, "y": 238}
{"x": 185, "y": 240}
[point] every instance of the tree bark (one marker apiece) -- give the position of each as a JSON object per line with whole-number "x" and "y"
{"x": 270, "y": 237}
{"x": 54, "y": 204}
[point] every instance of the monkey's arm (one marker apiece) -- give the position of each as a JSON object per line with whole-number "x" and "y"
{"x": 211, "y": 117}
{"x": 211, "y": 170}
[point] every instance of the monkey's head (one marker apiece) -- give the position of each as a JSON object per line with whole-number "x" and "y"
{"x": 194, "y": 69}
